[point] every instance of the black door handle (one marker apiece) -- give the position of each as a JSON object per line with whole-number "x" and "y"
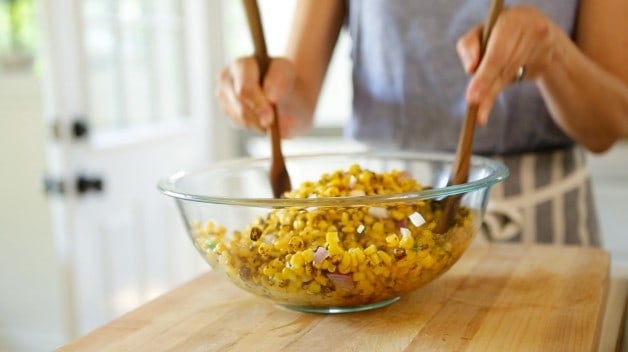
{"x": 86, "y": 184}
{"x": 83, "y": 184}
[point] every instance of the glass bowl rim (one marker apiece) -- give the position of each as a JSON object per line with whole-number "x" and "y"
{"x": 498, "y": 173}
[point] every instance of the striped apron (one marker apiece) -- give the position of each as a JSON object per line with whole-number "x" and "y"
{"x": 546, "y": 199}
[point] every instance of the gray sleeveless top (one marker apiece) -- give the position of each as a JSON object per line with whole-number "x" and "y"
{"x": 409, "y": 83}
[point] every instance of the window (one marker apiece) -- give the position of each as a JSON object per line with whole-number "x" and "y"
{"x": 18, "y": 36}
{"x": 134, "y": 62}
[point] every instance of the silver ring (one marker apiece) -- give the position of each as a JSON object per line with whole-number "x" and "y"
{"x": 521, "y": 72}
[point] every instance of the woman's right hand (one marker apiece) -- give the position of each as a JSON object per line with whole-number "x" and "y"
{"x": 249, "y": 104}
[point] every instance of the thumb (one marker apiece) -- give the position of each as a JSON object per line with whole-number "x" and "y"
{"x": 468, "y": 48}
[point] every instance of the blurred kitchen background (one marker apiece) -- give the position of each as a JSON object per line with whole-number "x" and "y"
{"x": 101, "y": 98}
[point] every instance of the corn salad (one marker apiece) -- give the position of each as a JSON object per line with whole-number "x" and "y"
{"x": 339, "y": 256}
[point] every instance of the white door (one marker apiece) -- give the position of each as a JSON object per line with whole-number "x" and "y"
{"x": 129, "y": 101}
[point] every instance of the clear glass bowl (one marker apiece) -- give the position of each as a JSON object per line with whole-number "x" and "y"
{"x": 344, "y": 249}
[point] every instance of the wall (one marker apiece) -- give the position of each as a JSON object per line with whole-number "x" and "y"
{"x": 610, "y": 180}
{"x": 31, "y": 300}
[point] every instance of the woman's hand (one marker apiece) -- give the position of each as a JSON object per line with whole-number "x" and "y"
{"x": 250, "y": 105}
{"x": 522, "y": 37}
{"x": 583, "y": 81}
{"x": 292, "y": 83}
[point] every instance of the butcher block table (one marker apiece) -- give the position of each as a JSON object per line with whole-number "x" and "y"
{"x": 496, "y": 298}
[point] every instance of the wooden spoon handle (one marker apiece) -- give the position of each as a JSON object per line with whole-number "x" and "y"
{"x": 461, "y": 165}
{"x": 261, "y": 56}
{"x": 489, "y": 23}
{"x": 257, "y": 33}
{"x": 279, "y": 177}
{"x": 465, "y": 141}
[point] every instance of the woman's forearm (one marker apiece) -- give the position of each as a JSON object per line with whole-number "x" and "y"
{"x": 586, "y": 87}
{"x": 315, "y": 30}
{"x": 587, "y": 102}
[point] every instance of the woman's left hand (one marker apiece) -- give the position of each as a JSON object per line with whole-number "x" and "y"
{"x": 522, "y": 37}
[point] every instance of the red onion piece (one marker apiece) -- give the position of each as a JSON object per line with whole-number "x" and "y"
{"x": 342, "y": 281}
{"x": 320, "y": 255}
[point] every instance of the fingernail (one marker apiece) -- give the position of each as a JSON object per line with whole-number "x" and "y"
{"x": 266, "y": 117}
{"x": 482, "y": 117}
{"x": 466, "y": 61}
{"x": 473, "y": 96}
{"x": 272, "y": 93}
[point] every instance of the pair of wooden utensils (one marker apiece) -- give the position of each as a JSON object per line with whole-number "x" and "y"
{"x": 279, "y": 177}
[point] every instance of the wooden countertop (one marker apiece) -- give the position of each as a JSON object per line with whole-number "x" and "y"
{"x": 497, "y": 297}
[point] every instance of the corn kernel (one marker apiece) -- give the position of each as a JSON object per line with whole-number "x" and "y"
{"x": 407, "y": 242}
{"x": 377, "y": 228}
{"x": 332, "y": 237}
{"x": 370, "y": 250}
{"x": 346, "y": 259}
{"x": 348, "y": 229}
{"x": 296, "y": 243}
{"x": 298, "y": 224}
{"x": 392, "y": 240}
{"x": 428, "y": 261}
{"x": 385, "y": 258}
{"x": 297, "y": 260}
{"x": 397, "y": 215}
{"x": 373, "y": 258}
{"x": 308, "y": 255}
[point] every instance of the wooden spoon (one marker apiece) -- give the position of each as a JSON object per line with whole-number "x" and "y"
{"x": 279, "y": 177}
{"x": 460, "y": 170}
